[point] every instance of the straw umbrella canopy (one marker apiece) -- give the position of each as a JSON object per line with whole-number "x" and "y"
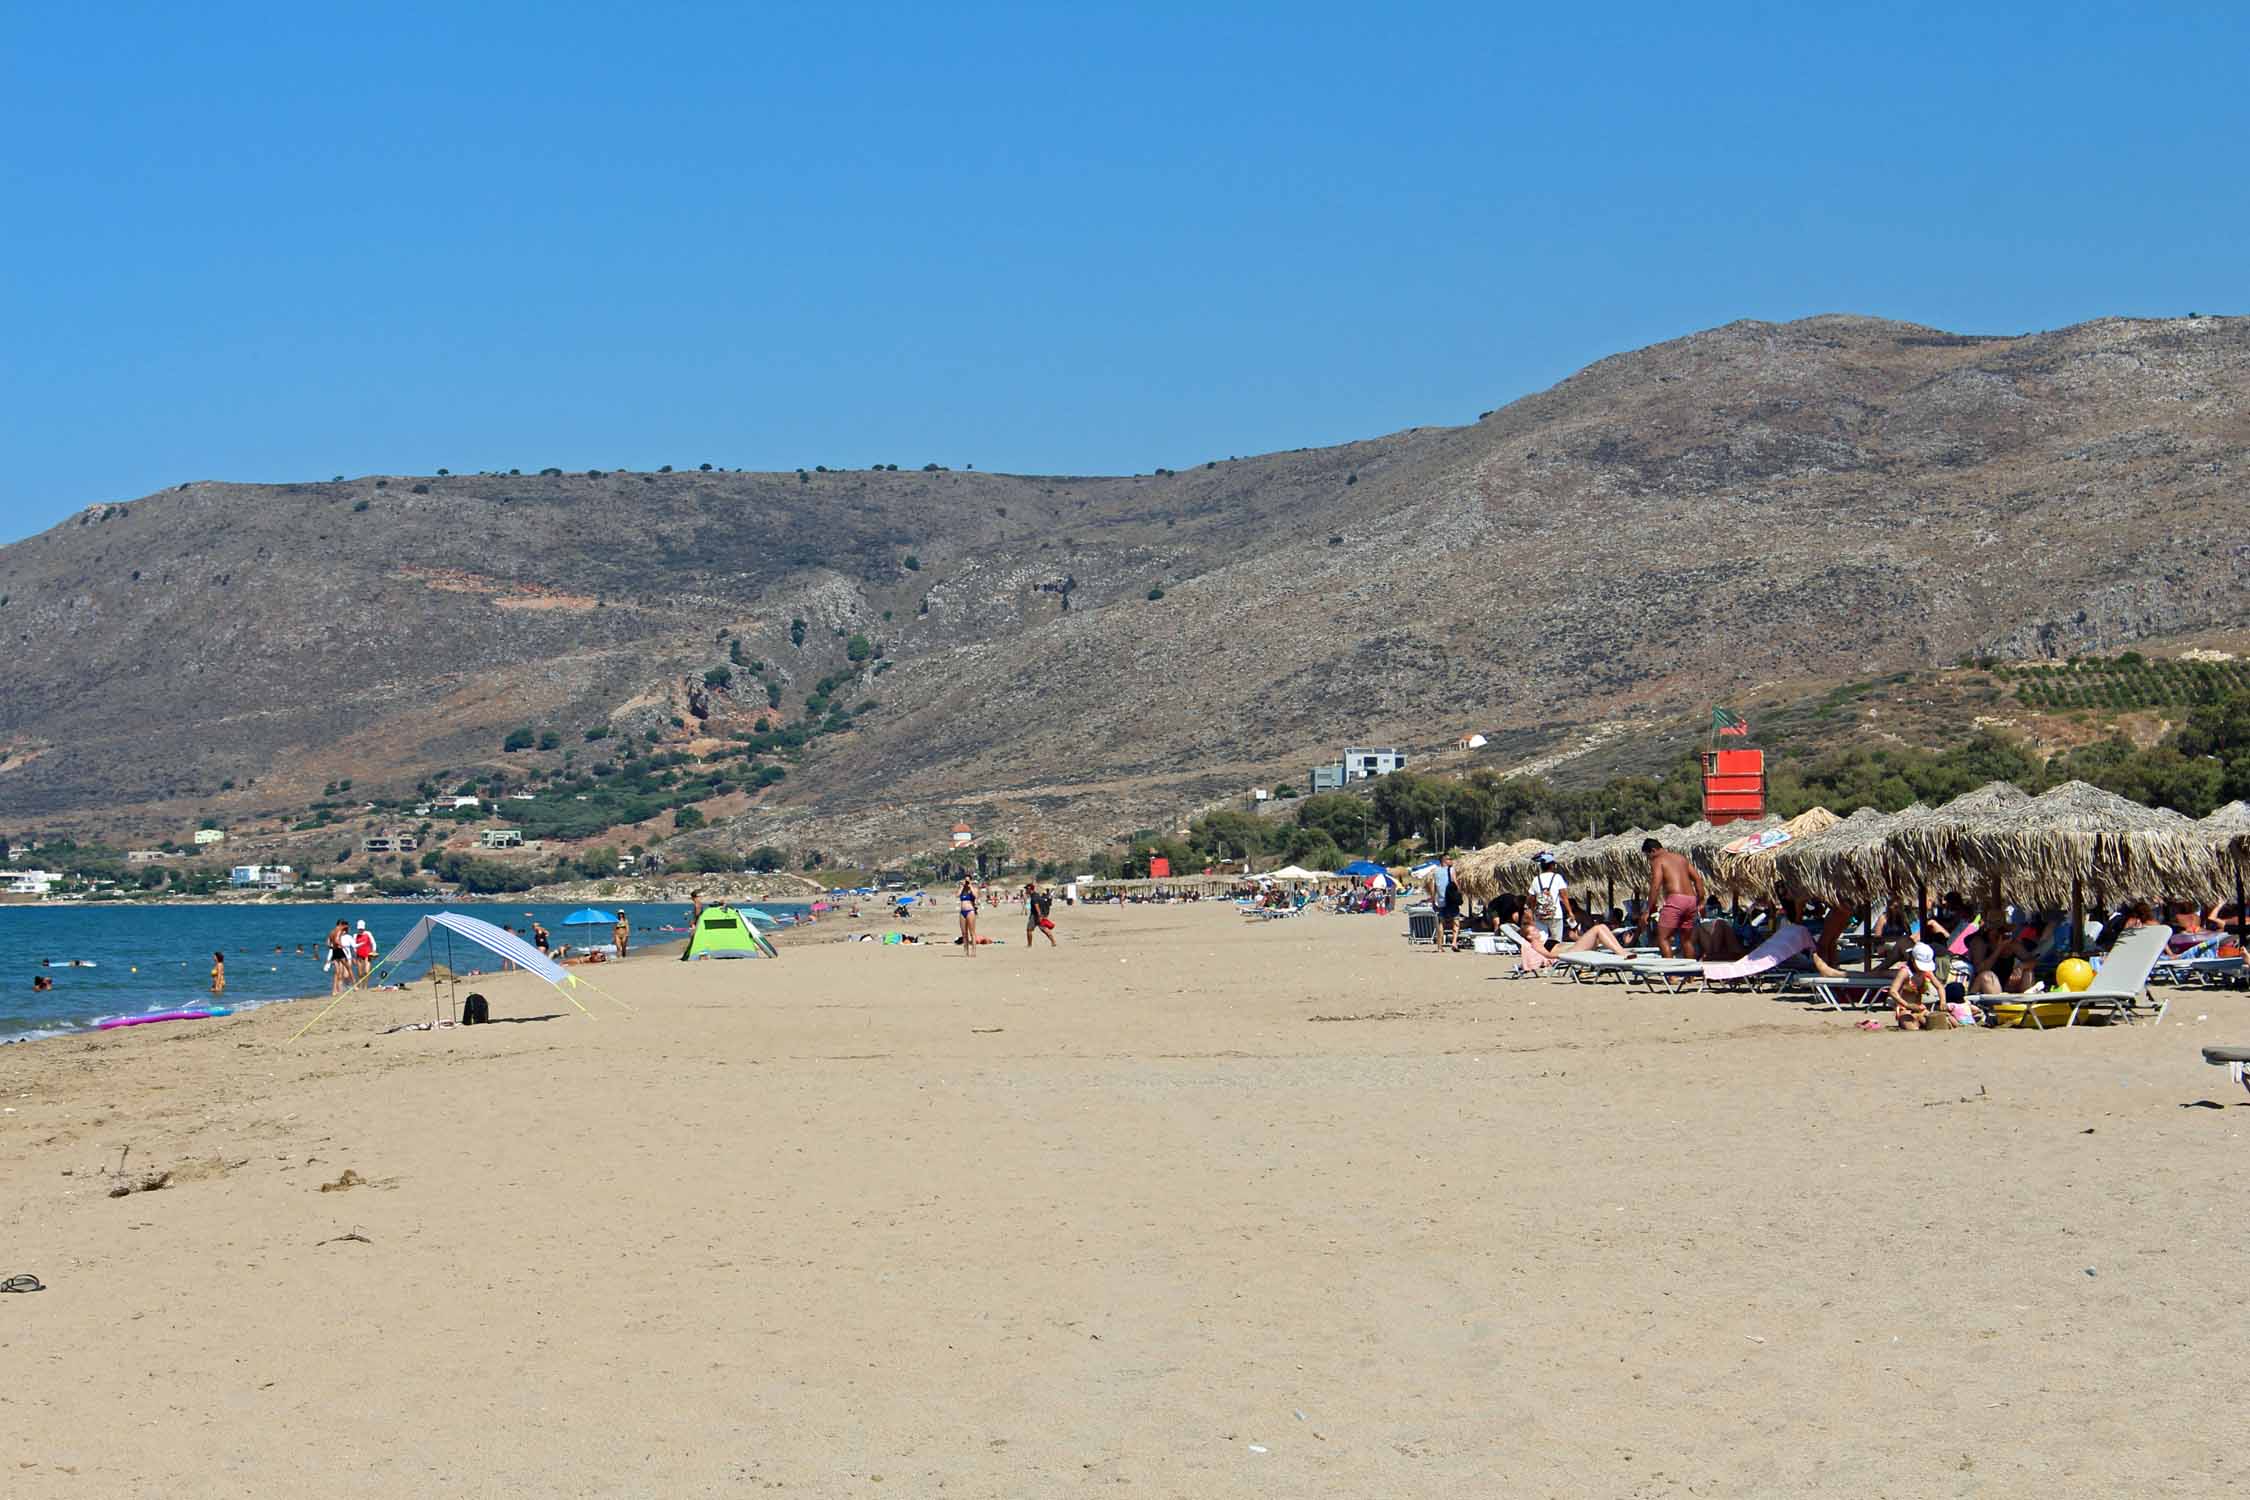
{"x": 1930, "y": 843}
{"x": 1705, "y": 840}
{"x": 1484, "y": 873}
{"x": 2227, "y": 831}
{"x": 1753, "y": 872}
{"x": 1851, "y": 862}
{"x": 2078, "y": 842}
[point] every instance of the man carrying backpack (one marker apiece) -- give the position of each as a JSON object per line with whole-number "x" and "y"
{"x": 1550, "y": 899}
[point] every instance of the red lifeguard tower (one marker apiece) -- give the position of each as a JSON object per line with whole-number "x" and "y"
{"x": 1734, "y": 781}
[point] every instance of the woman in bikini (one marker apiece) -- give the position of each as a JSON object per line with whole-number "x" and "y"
{"x": 1538, "y": 953}
{"x": 968, "y": 899}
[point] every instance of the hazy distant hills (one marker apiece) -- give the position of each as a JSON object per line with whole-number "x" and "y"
{"x": 1723, "y": 513}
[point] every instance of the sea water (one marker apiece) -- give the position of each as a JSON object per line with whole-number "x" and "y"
{"x": 151, "y": 958}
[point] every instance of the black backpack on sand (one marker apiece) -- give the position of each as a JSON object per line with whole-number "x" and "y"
{"x": 475, "y": 1011}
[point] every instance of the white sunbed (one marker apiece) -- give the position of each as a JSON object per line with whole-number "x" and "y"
{"x": 2121, "y": 986}
{"x": 1850, "y": 992}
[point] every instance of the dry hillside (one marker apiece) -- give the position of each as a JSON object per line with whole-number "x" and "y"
{"x": 1714, "y": 517}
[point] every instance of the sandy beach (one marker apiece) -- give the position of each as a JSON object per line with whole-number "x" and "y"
{"x": 1189, "y": 1207}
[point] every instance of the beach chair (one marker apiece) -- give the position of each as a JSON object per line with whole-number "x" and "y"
{"x": 1421, "y": 927}
{"x": 2200, "y": 973}
{"x": 1851, "y": 992}
{"x": 2121, "y": 986}
{"x": 2236, "y": 1060}
{"x": 1664, "y": 976}
{"x": 1592, "y": 968}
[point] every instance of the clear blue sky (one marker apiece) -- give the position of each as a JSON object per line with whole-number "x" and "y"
{"x": 284, "y": 242}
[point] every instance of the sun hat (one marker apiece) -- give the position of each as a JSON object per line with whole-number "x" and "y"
{"x": 1924, "y": 958}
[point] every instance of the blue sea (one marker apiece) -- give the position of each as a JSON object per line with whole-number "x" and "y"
{"x": 151, "y": 958}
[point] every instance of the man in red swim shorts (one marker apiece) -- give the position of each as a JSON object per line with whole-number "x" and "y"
{"x": 1675, "y": 895}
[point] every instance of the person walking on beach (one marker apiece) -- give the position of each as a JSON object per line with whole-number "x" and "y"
{"x": 1038, "y": 915}
{"x": 694, "y": 916}
{"x": 1675, "y": 894}
{"x": 1446, "y": 892}
{"x": 363, "y": 953}
{"x": 623, "y": 935}
{"x": 1550, "y": 898}
{"x": 218, "y": 973}
{"x": 967, "y": 896}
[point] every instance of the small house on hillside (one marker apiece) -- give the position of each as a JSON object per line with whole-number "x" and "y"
{"x": 962, "y": 836}
{"x": 503, "y": 838}
{"x": 210, "y": 836}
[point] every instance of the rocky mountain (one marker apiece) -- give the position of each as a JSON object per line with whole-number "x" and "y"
{"x": 1063, "y": 657}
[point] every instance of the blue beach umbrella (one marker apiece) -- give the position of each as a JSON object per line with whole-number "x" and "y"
{"x": 594, "y": 917}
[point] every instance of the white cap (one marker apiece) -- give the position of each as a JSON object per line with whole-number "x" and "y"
{"x": 1924, "y": 958}
{"x": 363, "y": 926}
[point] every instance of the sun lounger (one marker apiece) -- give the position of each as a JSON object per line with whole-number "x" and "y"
{"x": 2236, "y": 1060}
{"x": 2122, "y": 984}
{"x": 2199, "y": 973}
{"x": 1591, "y": 968}
{"x": 1664, "y": 976}
{"x": 1851, "y": 992}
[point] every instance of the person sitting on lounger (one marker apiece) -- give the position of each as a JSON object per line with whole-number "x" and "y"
{"x": 1538, "y": 953}
{"x": 1999, "y": 964}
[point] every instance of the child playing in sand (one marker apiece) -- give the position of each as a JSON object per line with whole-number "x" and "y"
{"x": 1914, "y": 988}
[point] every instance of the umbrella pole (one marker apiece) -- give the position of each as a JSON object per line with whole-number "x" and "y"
{"x": 2077, "y": 917}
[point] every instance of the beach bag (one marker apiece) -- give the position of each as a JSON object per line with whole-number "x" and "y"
{"x": 475, "y": 1010}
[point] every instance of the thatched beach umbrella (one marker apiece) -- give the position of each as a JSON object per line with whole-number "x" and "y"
{"x": 2227, "y": 832}
{"x": 1850, "y": 863}
{"x": 1485, "y": 873}
{"x": 1752, "y": 871}
{"x": 2080, "y": 841}
{"x": 1930, "y": 842}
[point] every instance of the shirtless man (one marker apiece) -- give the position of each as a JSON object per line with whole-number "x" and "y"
{"x": 1675, "y": 896}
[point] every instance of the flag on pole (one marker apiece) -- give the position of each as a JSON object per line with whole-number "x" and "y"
{"x": 1727, "y": 721}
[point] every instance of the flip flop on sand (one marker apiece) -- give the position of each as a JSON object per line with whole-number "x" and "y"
{"x": 22, "y": 1284}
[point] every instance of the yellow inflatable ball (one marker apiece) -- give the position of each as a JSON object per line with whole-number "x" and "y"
{"x": 2074, "y": 974}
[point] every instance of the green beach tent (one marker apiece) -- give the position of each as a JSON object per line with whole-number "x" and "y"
{"x": 722, "y": 932}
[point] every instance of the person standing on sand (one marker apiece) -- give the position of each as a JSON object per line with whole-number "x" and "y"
{"x": 622, "y": 935}
{"x": 1447, "y": 893}
{"x": 363, "y": 954}
{"x": 1675, "y": 894}
{"x": 339, "y": 957}
{"x": 968, "y": 900}
{"x": 1038, "y": 920}
{"x": 694, "y": 916}
{"x": 1550, "y": 898}
{"x": 218, "y": 973}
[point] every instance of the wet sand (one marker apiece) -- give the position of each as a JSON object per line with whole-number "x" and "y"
{"x": 1190, "y": 1207}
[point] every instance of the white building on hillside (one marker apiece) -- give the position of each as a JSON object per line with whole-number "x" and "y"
{"x": 210, "y": 836}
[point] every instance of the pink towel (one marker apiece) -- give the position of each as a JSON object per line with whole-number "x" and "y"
{"x": 1784, "y": 945}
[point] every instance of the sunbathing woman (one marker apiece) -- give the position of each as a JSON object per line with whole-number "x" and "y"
{"x": 1538, "y": 953}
